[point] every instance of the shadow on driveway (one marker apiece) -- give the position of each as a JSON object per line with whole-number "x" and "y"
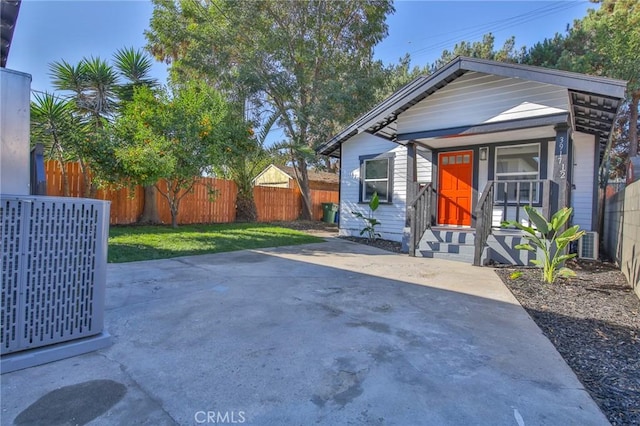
{"x": 329, "y": 333}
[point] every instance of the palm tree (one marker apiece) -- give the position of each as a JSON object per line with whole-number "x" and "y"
{"x": 92, "y": 83}
{"x": 53, "y": 124}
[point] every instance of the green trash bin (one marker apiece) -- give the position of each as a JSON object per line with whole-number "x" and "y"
{"x": 329, "y": 211}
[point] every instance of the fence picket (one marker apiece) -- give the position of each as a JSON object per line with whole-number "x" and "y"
{"x": 199, "y": 206}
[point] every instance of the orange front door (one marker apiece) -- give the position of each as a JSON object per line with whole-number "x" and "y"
{"x": 455, "y": 174}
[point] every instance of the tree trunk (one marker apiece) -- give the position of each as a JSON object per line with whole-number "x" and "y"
{"x": 303, "y": 183}
{"x": 174, "y": 214}
{"x": 65, "y": 178}
{"x": 633, "y": 125}
{"x": 246, "y": 210}
{"x": 150, "y": 215}
{"x": 90, "y": 189}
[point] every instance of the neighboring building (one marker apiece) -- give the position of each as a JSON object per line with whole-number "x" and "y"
{"x": 519, "y": 135}
{"x": 284, "y": 177}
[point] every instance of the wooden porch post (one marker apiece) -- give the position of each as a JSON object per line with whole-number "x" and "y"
{"x": 561, "y": 164}
{"x": 412, "y": 191}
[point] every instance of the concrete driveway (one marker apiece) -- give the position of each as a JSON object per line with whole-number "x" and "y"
{"x": 329, "y": 333}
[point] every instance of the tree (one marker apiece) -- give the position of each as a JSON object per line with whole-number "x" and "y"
{"x": 54, "y": 125}
{"x": 616, "y": 38}
{"x": 135, "y": 67}
{"x": 480, "y": 49}
{"x": 171, "y": 136}
{"x": 310, "y": 62}
{"x": 92, "y": 83}
{"x": 605, "y": 42}
{"x": 241, "y": 156}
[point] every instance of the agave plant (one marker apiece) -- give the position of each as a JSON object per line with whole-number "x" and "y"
{"x": 548, "y": 238}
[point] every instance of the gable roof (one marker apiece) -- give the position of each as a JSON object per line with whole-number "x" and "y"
{"x": 290, "y": 173}
{"x": 594, "y": 101}
{"x": 314, "y": 175}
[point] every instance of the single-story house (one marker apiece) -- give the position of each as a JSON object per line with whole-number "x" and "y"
{"x": 284, "y": 177}
{"x": 453, "y": 154}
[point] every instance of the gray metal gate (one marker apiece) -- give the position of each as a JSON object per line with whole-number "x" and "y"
{"x": 54, "y": 253}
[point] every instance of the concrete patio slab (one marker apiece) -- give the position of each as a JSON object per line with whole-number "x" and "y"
{"x": 328, "y": 333}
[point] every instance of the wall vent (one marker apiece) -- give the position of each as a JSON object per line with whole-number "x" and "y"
{"x": 588, "y": 246}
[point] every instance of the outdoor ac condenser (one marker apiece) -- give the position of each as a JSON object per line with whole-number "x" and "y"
{"x": 53, "y": 277}
{"x": 588, "y": 246}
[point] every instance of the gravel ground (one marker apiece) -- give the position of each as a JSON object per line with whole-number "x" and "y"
{"x": 593, "y": 320}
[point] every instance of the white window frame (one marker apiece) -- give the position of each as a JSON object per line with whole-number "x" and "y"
{"x": 505, "y": 175}
{"x": 364, "y": 180}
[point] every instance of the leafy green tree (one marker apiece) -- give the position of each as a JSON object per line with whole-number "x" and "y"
{"x": 170, "y": 136}
{"x": 605, "y": 42}
{"x": 241, "y": 156}
{"x": 311, "y": 62}
{"x": 484, "y": 49}
{"x": 614, "y": 29}
{"x": 134, "y": 66}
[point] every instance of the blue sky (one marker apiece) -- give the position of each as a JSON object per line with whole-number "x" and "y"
{"x": 49, "y": 31}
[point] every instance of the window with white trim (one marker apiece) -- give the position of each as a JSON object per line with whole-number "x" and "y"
{"x": 517, "y": 165}
{"x": 376, "y": 177}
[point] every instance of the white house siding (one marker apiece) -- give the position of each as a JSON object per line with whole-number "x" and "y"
{"x": 478, "y": 98}
{"x": 391, "y": 216}
{"x": 584, "y": 179}
{"x": 423, "y": 166}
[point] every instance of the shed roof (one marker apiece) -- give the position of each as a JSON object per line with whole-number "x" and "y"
{"x": 594, "y": 101}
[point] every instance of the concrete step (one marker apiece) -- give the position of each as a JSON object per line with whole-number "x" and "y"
{"x": 449, "y": 236}
{"x": 447, "y": 256}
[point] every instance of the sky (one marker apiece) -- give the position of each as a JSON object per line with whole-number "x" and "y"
{"x": 50, "y": 30}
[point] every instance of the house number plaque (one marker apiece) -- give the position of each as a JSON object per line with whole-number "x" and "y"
{"x": 560, "y": 166}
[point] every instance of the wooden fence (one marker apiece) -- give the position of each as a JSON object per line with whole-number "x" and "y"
{"x": 210, "y": 201}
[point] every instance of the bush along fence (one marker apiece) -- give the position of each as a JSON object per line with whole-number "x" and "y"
{"x": 210, "y": 201}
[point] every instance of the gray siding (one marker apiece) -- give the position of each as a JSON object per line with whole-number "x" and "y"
{"x": 583, "y": 180}
{"x": 392, "y": 216}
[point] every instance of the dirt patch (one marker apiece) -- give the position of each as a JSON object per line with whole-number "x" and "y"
{"x": 594, "y": 322}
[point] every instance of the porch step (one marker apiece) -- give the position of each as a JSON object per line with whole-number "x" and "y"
{"x": 451, "y": 244}
{"x": 444, "y": 235}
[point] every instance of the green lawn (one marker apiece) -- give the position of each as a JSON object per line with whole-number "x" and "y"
{"x": 133, "y": 243}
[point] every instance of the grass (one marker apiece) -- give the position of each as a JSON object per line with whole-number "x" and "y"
{"x": 134, "y": 243}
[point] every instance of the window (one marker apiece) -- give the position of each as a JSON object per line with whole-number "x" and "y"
{"x": 518, "y": 166}
{"x": 376, "y": 177}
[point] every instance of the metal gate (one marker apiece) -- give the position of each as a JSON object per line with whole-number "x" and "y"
{"x": 54, "y": 254}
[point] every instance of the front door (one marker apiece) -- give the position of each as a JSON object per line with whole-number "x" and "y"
{"x": 455, "y": 174}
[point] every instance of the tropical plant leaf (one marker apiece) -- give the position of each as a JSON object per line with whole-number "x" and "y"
{"x": 541, "y": 223}
{"x": 566, "y": 273}
{"x": 374, "y": 202}
{"x": 525, "y": 247}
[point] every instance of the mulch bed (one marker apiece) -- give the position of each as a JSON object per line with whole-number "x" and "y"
{"x": 594, "y": 322}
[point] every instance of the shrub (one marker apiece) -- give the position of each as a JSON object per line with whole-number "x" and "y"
{"x": 369, "y": 221}
{"x": 548, "y": 237}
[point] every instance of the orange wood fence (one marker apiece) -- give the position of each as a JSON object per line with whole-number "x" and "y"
{"x": 210, "y": 201}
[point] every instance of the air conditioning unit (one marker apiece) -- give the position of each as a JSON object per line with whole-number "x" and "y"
{"x": 588, "y": 246}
